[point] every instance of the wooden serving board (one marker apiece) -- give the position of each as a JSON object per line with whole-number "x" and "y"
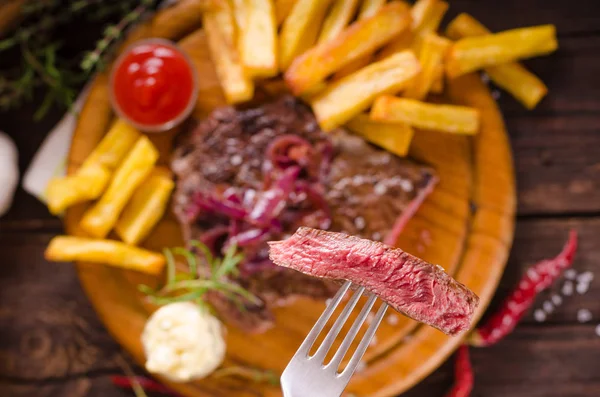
{"x": 465, "y": 225}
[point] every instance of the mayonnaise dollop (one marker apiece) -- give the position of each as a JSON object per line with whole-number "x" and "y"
{"x": 182, "y": 342}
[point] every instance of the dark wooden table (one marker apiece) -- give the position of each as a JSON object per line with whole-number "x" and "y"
{"x": 52, "y": 344}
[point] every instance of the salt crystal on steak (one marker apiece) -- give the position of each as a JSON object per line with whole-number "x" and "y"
{"x": 410, "y": 285}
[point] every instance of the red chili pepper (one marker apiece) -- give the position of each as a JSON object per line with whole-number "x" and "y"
{"x": 537, "y": 278}
{"x": 147, "y": 384}
{"x": 463, "y": 373}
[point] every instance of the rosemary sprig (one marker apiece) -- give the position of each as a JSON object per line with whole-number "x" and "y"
{"x": 193, "y": 286}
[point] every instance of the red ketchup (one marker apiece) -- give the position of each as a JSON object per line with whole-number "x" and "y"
{"x": 153, "y": 85}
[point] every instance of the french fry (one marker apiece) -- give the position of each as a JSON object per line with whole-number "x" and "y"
{"x": 240, "y": 16}
{"x": 108, "y": 252}
{"x": 428, "y": 116}
{"x": 512, "y": 77}
{"x": 401, "y": 43}
{"x": 393, "y": 137}
{"x": 346, "y": 98}
{"x": 221, "y": 36}
{"x": 431, "y": 57}
{"x": 474, "y": 53}
{"x": 525, "y": 86}
{"x": 258, "y": 39}
{"x": 337, "y": 19}
{"x": 283, "y": 9}
{"x": 145, "y": 208}
{"x": 437, "y": 87}
{"x": 430, "y": 24}
{"x": 426, "y": 16}
{"x": 87, "y": 184}
{"x": 299, "y": 30}
{"x": 93, "y": 176}
{"x": 99, "y": 219}
{"x": 359, "y": 39}
{"x": 368, "y": 8}
{"x": 115, "y": 145}
{"x": 464, "y": 25}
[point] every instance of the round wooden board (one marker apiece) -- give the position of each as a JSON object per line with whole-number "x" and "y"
{"x": 465, "y": 225}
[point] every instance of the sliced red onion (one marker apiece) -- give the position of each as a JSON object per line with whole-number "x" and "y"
{"x": 249, "y": 237}
{"x": 227, "y": 207}
{"x": 271, "y": 202}
{"x": 212, "y": 236}
{"x": 287, "y": 150}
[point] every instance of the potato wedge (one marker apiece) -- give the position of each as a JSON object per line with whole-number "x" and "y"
{"x": 115, "y": 145}
{"x": 108, "y": 252}
{"x": 401, "y": 43}
{"x": 220, "y": 33}
{"x": 101, "y": 218}
{"x": 353, "y": 94}
{"x": 338, "y": 17}
{"x": 359, "y": 39}
{"x": 299, "y": 30}
{"x": 283, "y": 9}
{"x": 85, "y": 185}
{"x": 240, "y": 16}
{"x": 525, "y": 86}
{"x": 427, "y": 116}
{"x": 393, "y": 137}
{"x": 146, "y": 206}
{"x": 258, "y": 39}
{"x": 474, "y": 53}
{"x": 431, "y": 57}
{"x": 368, "y": 8}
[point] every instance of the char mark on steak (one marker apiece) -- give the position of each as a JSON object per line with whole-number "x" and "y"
{"x": 410, "y": 285}
{"x": 248, "y": 176}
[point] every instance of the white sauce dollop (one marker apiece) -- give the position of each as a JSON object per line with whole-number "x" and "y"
{"x": 182, "y": 342}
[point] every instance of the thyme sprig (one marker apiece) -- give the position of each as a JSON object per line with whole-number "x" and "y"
{"x": 194, "y": 284}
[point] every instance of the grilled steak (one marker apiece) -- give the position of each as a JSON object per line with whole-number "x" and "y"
{"x": 410, "y": 285}
{"x": 250, "y": 176}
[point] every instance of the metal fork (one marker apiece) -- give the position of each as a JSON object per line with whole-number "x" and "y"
{"x": 308, "y": 376}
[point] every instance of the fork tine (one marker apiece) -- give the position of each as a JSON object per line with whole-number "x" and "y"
{"x": 337, "y": 326}
{"x": 347, "y": 342}
{"x": 318, "y": 327}
{"x": 364, "y": 343}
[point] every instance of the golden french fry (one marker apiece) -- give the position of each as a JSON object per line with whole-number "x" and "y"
{"x": 353, "y": 94}
{"x": 437, "y": 87}
{"x": 525, "y": 86}
{"x": 353, "y": 66}
{"x": 115, "y": 145}
{"x": 146, "y": 207}
{"x": 283, "y": 9}
{"x": 258, "y": 39}
{"x": 221, "y": 36}
{"x": 368, "y": 8}
{"x": 108, "y": 252}
{"x": 359, "y": 39}
{"x": 428, "y": 23}
{"x": 299, "y": 30}
{"x": 402, "y": 42}
{"x": 512, "y": 77}
{"x": 99, "y": 219}
{"x": 240, "y": 16}
{"x": 93, "y": 176}
{"x": 431, "y": 57}
{"x": 337, "y": 19}
{"x": 393, "y": 137}
{"x": 464, "y": 25}
{"x": 428, "y": 116}
{"x": 87, "y": 184}
{"x": 474, "y": 53}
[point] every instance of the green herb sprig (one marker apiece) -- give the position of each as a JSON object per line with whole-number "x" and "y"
{"x": 193, "y": 285}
